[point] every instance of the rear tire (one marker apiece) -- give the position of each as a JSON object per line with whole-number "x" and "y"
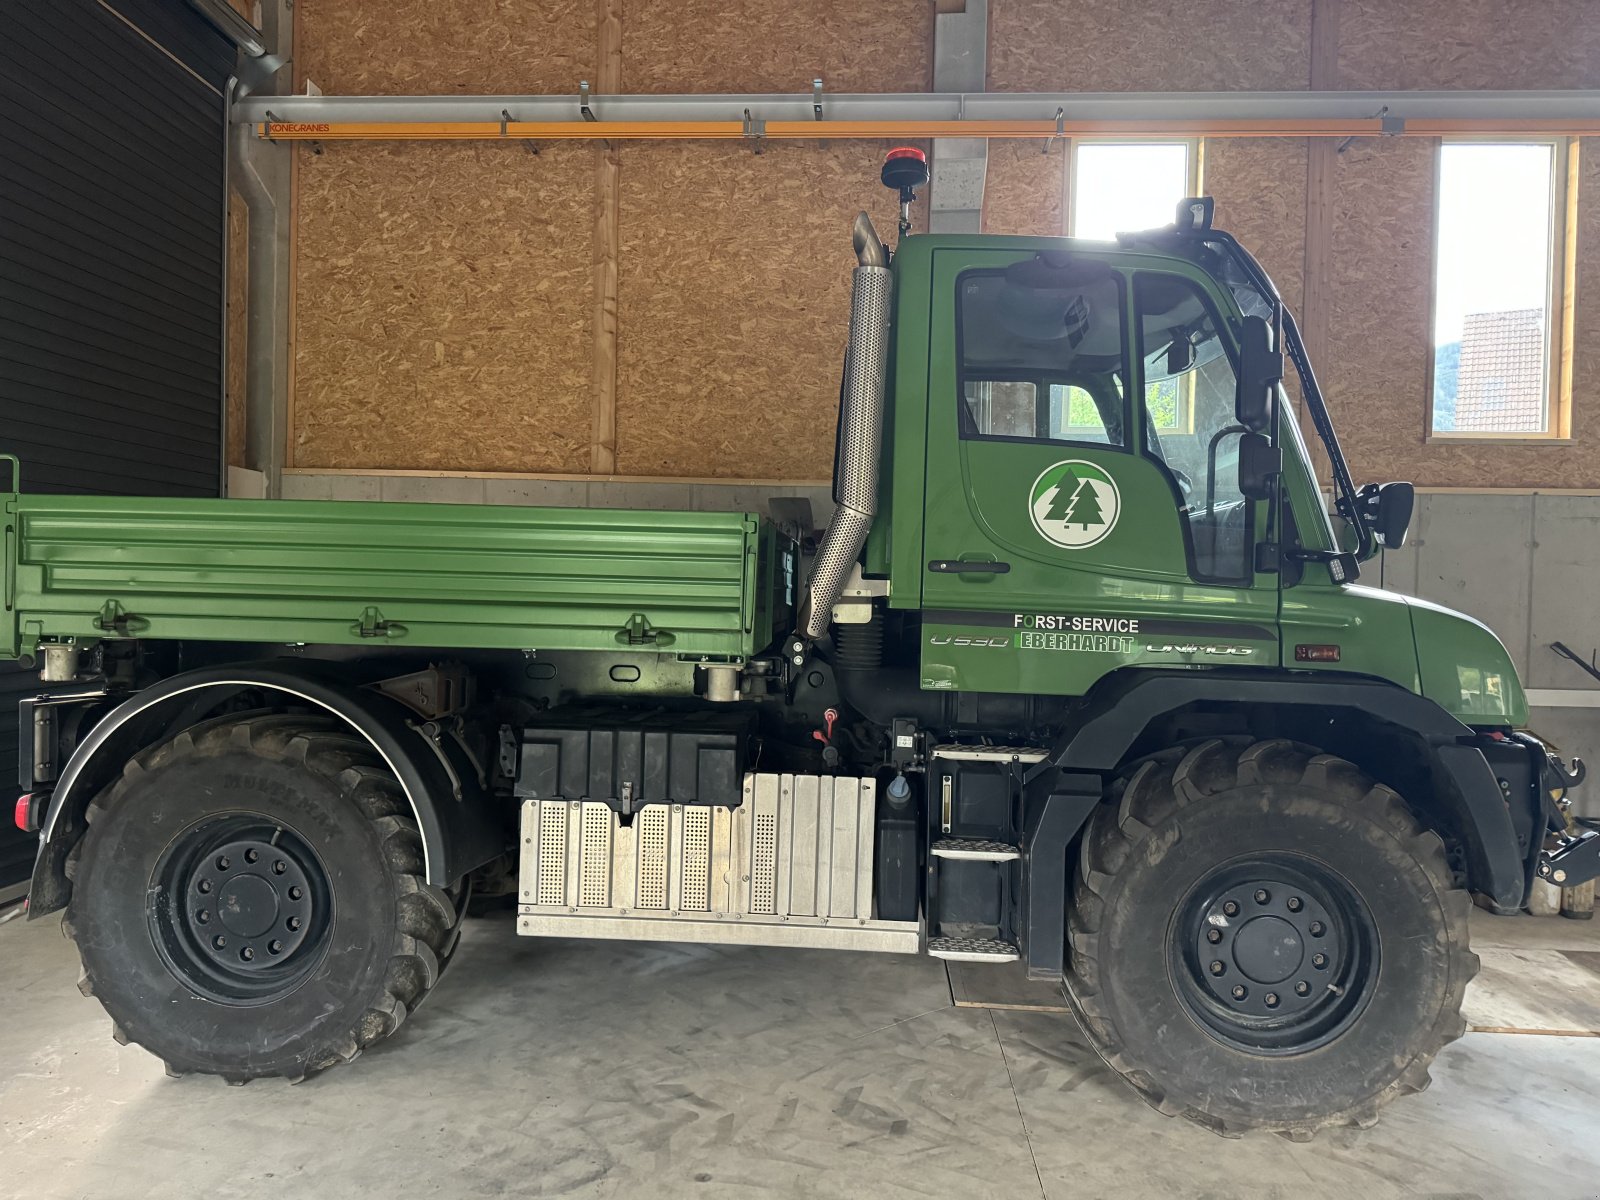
{"x": 1262, "y": 914}
{"x": 249, "y": 900}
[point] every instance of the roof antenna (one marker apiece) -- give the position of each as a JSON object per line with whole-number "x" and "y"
{"x": 905, "y": 168}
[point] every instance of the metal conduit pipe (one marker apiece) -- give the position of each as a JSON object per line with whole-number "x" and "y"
{"x": 936, "y": 114}
{"x": 855, "y": 485}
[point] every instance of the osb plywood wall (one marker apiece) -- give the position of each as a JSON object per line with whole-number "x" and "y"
{"x": 735, "y": 298}
{"x": 1024, "y": 189}
{"x": 451, "y": 315}
{"x": 1424, "y": 44}
{"x": 446, "y": 293}
{"x": 1114, "y": 46}
{"x": 443, "y": 306}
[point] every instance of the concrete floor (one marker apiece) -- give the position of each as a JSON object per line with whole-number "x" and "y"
{"x": 620, "y": 1069}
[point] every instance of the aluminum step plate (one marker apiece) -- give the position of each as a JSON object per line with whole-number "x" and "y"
{"x": 975, "y": 849}
{"x": 972, "y": 949}
{"x": 1022, "y": 754}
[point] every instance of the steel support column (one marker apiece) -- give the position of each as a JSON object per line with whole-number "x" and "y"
{"x": 262, "y": 171}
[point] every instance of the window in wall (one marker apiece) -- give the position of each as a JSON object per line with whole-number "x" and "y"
{"x": 1040, "y": 361}
{"x": 1495, "y": 288}
{"x": 1118, "y": 186}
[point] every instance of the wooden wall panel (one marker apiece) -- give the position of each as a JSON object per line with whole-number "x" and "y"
{"x": 1375, "y": 369}
{"x": 734, "y": 304}
{"x": 777, "y": 46}
{"x": 1424, "y": 44}
{"x": 444, "y": 308}
{"x": 1025, "y": 190}
{"x": 236, "y": 341}
{"x": 1113, "y": 46}
{"x": 440, "y": 47}
{"x": 1260, "y": 188}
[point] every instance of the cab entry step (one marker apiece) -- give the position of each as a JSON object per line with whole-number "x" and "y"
{"x": 975, "y": 849}
{"x": 958, "y": 949}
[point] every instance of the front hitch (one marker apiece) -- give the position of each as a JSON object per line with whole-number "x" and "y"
{"x": 1571, "y": 854}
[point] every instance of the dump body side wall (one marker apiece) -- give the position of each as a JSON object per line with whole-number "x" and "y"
{"x": 424, "y": 575}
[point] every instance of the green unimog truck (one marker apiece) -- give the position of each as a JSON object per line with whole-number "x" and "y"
{"x": 1080, "y": 673}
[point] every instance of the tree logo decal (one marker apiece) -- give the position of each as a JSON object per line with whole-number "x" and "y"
{"x": 1074, "y": 504}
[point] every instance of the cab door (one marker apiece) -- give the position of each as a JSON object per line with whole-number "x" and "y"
{"x": 1082, "y": 510}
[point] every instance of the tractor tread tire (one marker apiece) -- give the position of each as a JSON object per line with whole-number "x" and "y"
{"x": 1139, "y": 805}
{"x": 428, "y": 918}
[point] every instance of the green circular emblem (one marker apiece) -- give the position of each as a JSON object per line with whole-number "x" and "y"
{"x": 1074, "y": 504}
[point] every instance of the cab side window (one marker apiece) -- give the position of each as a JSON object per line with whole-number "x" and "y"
{"x": 1188, "y": 385}
{"x": 1042, "y": 356}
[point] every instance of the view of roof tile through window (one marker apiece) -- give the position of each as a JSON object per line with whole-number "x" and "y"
{"x": 1500, "y": 381}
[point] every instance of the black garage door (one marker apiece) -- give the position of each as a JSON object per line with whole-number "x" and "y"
{"x": 111, "y": 263}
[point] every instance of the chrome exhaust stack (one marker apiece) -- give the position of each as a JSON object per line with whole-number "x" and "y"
{"x": 855, "y": 483}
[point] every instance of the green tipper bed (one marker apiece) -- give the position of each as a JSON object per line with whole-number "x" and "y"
{"x": 425, "y": 575}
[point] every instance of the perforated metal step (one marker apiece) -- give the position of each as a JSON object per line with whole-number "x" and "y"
{"x": 975, "y": 849}
{"x": 1021, "y": 754}
{"x": 972, "y": 949}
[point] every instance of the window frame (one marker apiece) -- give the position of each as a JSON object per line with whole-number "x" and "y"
{"x": 1124, "y": 296}
{"x": 1194, "y": 182}
{"x": 1562, "y": 278}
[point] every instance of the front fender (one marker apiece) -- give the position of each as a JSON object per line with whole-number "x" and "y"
{"x": 458, "y": 831}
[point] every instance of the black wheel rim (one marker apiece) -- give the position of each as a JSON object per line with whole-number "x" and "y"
{"x": 1274, "y": 953}
{"x": 240, "y": 909}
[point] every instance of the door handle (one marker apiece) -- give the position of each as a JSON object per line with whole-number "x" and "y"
{"x": 947, "y": 566}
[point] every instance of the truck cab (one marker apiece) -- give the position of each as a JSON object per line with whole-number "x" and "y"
{"x": 1063, "y": 416}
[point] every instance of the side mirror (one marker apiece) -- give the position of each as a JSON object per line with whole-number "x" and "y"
{"x": 1260, "y": 372}
{"x": 1386, "y": 508}
{"x": 1260, "y": 462}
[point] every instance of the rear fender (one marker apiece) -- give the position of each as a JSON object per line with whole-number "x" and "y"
{"x": 458, "y": 825}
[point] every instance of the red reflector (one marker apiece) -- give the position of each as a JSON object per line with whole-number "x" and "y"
{"x": 905, "y": 152}
{"x": 23, "y": 816}
{"x": 1304, "y": 653}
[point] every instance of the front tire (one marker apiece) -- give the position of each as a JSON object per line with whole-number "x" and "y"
{"x": 249, "y": 900}
{"x": 1262, "y": 937}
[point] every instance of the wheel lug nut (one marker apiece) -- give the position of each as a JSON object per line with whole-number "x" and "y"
{"x": 1302, "y": 988}
{"x": 1262, "y": 895}
{"x": 1272, "y": 999}
{"x": 219, "y": 942}
{"x": 1316, "y": 929}
{"x": 1319, "y": 960}
{"x": 203, "y": 886}
{"x": 202, "y": 916}
{"x": 295, "y": 893}
{"x": 1294, "y": 904}
{"x": 247, "y": 954}
{"x": 1231, "y": 909}
{"x": 279, "y": 867}
{"x": 1238, "y": 991}
{"x": 1213, "y": 936}
{"x": 224, "y": 863}
{"x": 250, "y": 856}
{"x": 274, "y": 947}
{"x": 1217, "y": 968}
{"x": 294, "y": 923}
